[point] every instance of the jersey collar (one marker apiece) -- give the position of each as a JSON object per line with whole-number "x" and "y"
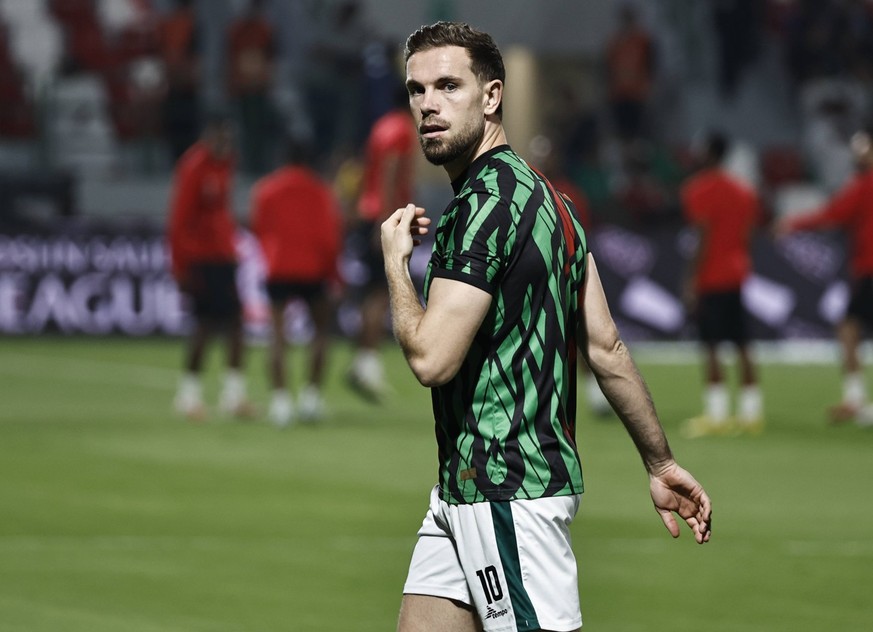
{"x": 459, "y": 182}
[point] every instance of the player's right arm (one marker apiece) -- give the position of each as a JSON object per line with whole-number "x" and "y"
{"x": 693, "y": 219}
{"x": 183, "y": 205}
{"x": 672, "y": 488}
{"x": 435, "y": 340}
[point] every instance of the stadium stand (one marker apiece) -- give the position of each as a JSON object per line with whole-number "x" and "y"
{"x": 82, "y": 87}
{"x": 16, "y": 109}
{"x": 35, "y": 39}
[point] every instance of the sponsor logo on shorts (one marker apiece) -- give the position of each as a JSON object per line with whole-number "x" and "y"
{"x": 491, "y": 613}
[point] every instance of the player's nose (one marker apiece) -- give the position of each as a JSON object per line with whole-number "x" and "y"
{"x": 429, "y": 103}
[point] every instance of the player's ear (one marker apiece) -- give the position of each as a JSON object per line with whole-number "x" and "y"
{"x": 492, "y": 96}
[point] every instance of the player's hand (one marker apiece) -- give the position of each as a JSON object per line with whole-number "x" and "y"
{"x": 403, "y": 230}
{"x": 418, "y": 227}
{"x": 674, "y": 490}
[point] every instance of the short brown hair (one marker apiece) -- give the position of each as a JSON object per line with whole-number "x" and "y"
{"x": 486, "y": 62}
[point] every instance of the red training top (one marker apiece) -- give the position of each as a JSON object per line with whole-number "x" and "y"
{"x": 852, "y": 209}
{"x": 297, "y": 221}
{"x": 201, "y": 227}
{"x": 393, "y": 135}
{"x": 725, "y": 211}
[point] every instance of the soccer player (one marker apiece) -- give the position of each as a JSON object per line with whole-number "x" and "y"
{"x": 851, "y": 209}
{"x": 724, "y": 212}
{"x": 387, "y": 184}
{"x": 511, "y": 291}
{"x": 297, "y": 222}
{"x": 201, "y": 232}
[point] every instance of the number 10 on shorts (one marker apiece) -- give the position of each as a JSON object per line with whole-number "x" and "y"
{"x": 490, "y": 584}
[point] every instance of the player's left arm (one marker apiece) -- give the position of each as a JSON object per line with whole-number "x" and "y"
{"x": 672, "y": 488}
{"x": 184, "y": 202}
{"x": 839, "y": 211}
{"x": 435, "y": 340}
{"x": 617, "y": 375}
{"x": 695, "y": 256}
{"x": 692, "y": 268}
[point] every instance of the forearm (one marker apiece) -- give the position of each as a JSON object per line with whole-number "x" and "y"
{"x": 840, "y": 211}
{"x": 812, "y": 221}
{"x": 406, "y": 309}
{"x": 435, "y": 341}
{"x": 625, "y": 388}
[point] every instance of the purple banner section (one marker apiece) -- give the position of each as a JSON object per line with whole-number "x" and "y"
{"x": 87, "y": 284}
{"x": 105, "y": 280}
{"x": 798, "y": 288}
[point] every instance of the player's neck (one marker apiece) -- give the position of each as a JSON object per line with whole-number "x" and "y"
{"x": 493, "y": 136}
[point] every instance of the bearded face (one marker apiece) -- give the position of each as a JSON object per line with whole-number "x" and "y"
{"x": 451, "y": 144}
{"x": 448, "y": 103}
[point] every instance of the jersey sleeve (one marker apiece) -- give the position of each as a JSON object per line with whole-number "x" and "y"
{"x": 480, "y": 231}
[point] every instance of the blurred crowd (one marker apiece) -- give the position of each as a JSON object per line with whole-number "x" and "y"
{"x": 143, "y": 73}
{"x": 147, "y": 73}
{"x": 631, "y": 171}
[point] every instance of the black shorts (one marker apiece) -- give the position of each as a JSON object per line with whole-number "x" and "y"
{"x": 861, "y": 301}
{"x": 368, "y": 236}
{"x": 721, "y": 317}
{"x": 280, "y": 292}
{"x": 213, "y": 291}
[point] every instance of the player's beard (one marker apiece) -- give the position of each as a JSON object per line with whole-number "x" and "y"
{"x": 441, "y": 151}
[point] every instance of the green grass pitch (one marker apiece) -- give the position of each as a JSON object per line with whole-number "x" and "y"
{"x": 117, "y": 516}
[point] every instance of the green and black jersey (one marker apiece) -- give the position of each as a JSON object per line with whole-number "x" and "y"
{"x": 505, "y": 424}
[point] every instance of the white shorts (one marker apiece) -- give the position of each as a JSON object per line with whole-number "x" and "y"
{"x": 512, "y": 561}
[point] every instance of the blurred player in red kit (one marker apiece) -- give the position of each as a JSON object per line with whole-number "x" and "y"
{"x": 724, "y": 212}
{"x": 297, "y": 222}
{"x": 201, "y": 232}
{"x": 851, "y": 209}
{"x": 387, "y": 185}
